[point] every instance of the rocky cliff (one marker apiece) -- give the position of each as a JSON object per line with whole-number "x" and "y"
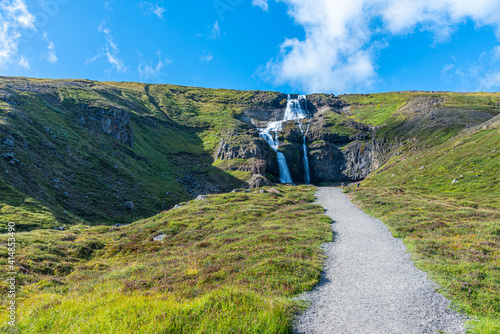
{"x": 341, "y": 148}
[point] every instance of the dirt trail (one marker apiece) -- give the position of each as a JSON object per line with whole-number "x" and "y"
{"x": 369, "y": 283}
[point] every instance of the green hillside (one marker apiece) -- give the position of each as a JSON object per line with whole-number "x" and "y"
{"x": 156, "y": 152}
{"x": 444, "y": 203}
{"x": 227, "y": 264}
{"x": 106, "y": 160}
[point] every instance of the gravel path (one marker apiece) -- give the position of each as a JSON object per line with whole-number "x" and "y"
{"x": 369, "y": 283}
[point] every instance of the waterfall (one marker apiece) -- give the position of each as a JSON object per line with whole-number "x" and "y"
{"x": 274, "y": 142}
{"x": 306, "y": 159}
{"x": 296, "y": 110}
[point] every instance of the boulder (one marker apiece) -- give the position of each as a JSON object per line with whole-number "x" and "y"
{"x": 201, "y": 198}
{"x": 8, "y": 156}
{"x": 159, "y": 237}
{"x": 48, "y": 145}
{"x": 130, "y": 205}
{"x": 258, "y": 181}
{"x": 9, "y": 142}
{"x": 273, "y": 191}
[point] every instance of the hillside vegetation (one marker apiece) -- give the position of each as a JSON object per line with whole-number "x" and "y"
{"x": 227, "y": 264}
{"x": 444, "y": 203}
{"x": 87, "y": 152}
{"x": 78, "y": 151}
{"x": 106, "y": 160}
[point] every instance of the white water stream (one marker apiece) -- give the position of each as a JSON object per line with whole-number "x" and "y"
{"x": 296, "y": 110}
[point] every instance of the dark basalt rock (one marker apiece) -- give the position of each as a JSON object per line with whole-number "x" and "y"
{"x": 111, "y": 121}
{"x": 346, "y": 155}
{"x": 258, "y": 181}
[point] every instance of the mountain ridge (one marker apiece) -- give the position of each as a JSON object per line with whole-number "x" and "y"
{"x": 158, "y": 145}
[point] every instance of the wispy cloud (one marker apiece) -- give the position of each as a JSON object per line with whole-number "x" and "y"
{"x": 491, "y": 80}
{"x": 214, "y": 31}
{"x": 150, "y": 8}
{"x": 14, "y": 18}
{"x": 24, "y": 63}
{"x": 447, "y": 70}
{"x": 482, "y": 74}
{"x": 342, "y": 38}
{"x": 51, "y": 50}
{"x": 110, "y": 52}
{"x": 261, "y": 3}
{"x": 148, "y": 70}
{"x": 207, "y": 58}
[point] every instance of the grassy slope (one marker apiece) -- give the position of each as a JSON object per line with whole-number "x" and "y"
{"x": 452, "y": 229}
{"x": 87, "y": 176}
{"x": 420, "y": 120}
{"x": 227, "y": 264}
{"x": 79, "y": 271}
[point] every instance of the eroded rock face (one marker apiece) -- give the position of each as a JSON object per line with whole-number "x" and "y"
{"x": 317, "y": 102}
{"x": 9, "y": 98}
{"x": 327, "y": 162}
{"x": 112, "y": 121}
{"x": 249, "y": 146}
{"x": 259, "y": 180}
{"x": 349, "y": 153}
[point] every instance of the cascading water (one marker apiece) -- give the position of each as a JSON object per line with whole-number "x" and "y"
{"x": 296, "y": 110}
{"x": 274, "y": 142}
{"x": 306, "y": 159}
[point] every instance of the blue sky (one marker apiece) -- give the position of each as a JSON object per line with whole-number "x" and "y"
{"x": 357, "y": 46}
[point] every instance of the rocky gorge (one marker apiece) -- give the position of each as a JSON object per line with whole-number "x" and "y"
{"x": 348, "y": 154}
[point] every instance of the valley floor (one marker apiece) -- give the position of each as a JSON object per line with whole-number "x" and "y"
{"x": 369, "y": 284}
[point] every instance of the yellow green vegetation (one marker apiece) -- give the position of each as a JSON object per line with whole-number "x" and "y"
{"x": 444, "y": 203}
{"x": 226, "y": 264}
{"x": 381, "y": 109}
{"x": 69, "y": 171}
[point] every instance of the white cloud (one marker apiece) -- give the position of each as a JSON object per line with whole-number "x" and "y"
{"x": 339, "y": 51}
{"x": 214, "y": 31}
{"x": 152, "y": 8}
{"x": 18, "y": 11}
{"x": 491, "y": 80}
{"x": 207, "y": 58}
{"x": 51, "y": 50}
{"x": 110, "y": 52}
{"x": 147, "y": 70}
{"x": 24, "y": 63}
{"x": 496, "y": 52}
{"x": 261, "y": 3}
{"x": 446, "y": 69}
{"x": 14, "y": 19}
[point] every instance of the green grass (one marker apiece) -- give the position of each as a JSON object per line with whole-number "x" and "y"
{"x": 452, "y": 229}
{"x": 384, "y": 108}
{"x": 375, "y": 109}
{"x": 228, "y": 310}
{"x": 176, "y": 130}
{"x": 232, "y": 262}
{"x": 25, "y": 212}
{"x": 228, "y": 264}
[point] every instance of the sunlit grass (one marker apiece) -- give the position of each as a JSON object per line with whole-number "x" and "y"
{"x": 452, "y": 229}
{"x": 227, "y": 264}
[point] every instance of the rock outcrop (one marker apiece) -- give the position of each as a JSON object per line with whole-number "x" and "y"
{"x": 247, "y": 146}
{"x": 111, "y": 121}
{"x": 337, "y": 152}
